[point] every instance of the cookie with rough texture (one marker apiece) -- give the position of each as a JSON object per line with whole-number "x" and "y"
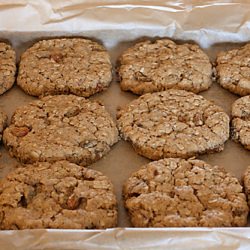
{"x": 3, "y": 122}
{"x": 7, "y": 67}
{"x": 233, "y": 70}
{"x": 63, "y": 66}
{"x": 240, "y": 130}
{"x": 173, "y": 123}
{"x": 156, "y": 66}
{"x": 174, "y": 192}
{"x": 63, "y": 127}
{"x": 56, "y": 195}
{"x": 246, "y": 183}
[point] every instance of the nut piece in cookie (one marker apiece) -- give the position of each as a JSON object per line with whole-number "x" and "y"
{"x": 156, "y": 66}
{"x": 57, "y": 195}
{"x": 65, "y": 66}
{"x": 7, "y": 67}
{"x": 173, "y": 123}
{"x": 63, "y": 127}
{"x": 174, "y": 192}
{"x": 240, "y": 130}
{"x": 233, "y": 70}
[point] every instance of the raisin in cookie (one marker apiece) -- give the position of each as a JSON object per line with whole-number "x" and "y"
{"x": 63, "y": 127}
{"x": 62, "y": 66}
{"x": 7, "y": 67}
{"x": 241, "y": 121}
{"x": 174, "y": 192}
{"x": 156, "y": 66}
{"x": 233, "y": 70}
{"x": 173, "y": 123}
{"x": 56, "y": 195}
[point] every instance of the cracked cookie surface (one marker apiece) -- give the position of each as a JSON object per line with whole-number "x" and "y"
{"x": 174, "y": 192}
{"x": 65, "y": 66}
{"x": 241, "y": 121}
{"x": 56, "y": 195}
{"x": 233, "y": 70}
{"x": 63, "y": 127}
{"x": 7, "y": 67}
{"x": 161, "y": 65}
{"x": 173, "y": 123}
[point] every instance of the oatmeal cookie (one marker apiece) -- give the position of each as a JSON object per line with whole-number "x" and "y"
{"x": 240, "y": 130}
{"x": 56, "y": 195}
{"x": 62, "y": 66}
{"x": 3, "y": 122}
{"x": 7, "y": 67}
{"x": 63, "y": 127}
{"x": 173, "y": 123}
{"x": 174, "y": 192}
{"x": 233, "y": 70}
{"x": 246, "y": 183}
{"x": 156, "y": 66}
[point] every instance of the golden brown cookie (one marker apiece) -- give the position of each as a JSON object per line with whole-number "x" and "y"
{"x": 65, "y": 66}
{"x": 7, "y": 67}
{"x": 173, "y": 123}
{"x": 174, "y": 192}
{"x": 63, "y": 127}
{"x": 246, "y": 183}
{"x": 241, "y": 121}
{"x": 56, "y": 195}
{"x": 160, "y": 65}
{"x": 3, "y": 123}
{"x": 233, "y": 70}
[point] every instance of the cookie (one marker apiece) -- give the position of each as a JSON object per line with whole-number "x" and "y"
{"x": 233, "y": 70}
{"x": 246, "y": 183}
{"x": 174, "y": 192}
{"x": 156, "y": 66}
{"x": 63, "y": 127}
{"x": 7, "y": 67}
{"x": 63, "y": 66}
{"x": 240, "y": 130}
{"x": 3, "y": 122}
{"x": 56, "y": 195}
{"x": 173, "y": 123}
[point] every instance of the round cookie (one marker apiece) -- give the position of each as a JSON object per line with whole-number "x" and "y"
{"x": 63, "y": 127}
{"x": 233, "y": 70}
{"x": 63, "y": 66}
{"x": 173, "y": 123}
{"x": 174, "y": 192}
{"x": 246, "y": 183}
{"x": 240, "y": 131}
{"x": 7, "y": 67}
{"x": 156, "y": 66}
{"x": 57, "y": 195}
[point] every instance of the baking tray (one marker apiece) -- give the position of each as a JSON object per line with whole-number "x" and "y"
{"x": 118, "y": 25}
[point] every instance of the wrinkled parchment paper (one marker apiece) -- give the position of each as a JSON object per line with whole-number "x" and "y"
{"x": 139, "y": 239}
{"x": 118, "y": 24}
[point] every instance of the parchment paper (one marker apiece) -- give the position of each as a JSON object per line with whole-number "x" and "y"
{"x": 118, "y": 24}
